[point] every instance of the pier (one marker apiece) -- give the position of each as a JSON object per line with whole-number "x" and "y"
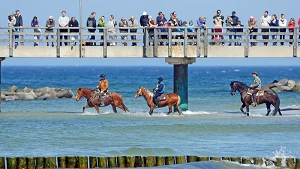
{"x": 179, "y": 48}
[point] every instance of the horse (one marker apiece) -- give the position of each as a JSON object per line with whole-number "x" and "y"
{"x": 112, "y": 98}
{"x": 267, "y": 96}
{"x": 170, "y": 100}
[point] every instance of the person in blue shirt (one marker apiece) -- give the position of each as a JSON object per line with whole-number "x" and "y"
{"x": 159, "y": 90}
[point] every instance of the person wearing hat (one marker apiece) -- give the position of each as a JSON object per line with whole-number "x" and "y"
{"x": 103, "y": 87}
{"x": 50, "y": 24}
{"x": 256, "y": 86}
{"x": 159, "y": 90}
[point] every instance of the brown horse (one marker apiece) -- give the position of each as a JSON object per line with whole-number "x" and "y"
{"x": 267, "y": 96}
{"x": 172, "y": 99}
{"x": 114, "y": 99}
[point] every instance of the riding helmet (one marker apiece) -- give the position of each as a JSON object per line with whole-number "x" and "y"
{"x": 103, "y": 75}
{"x": 255, "y": 73}
{"x": 160, "y": 78}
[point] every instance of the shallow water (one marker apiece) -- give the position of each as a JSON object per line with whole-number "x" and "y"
{"x": 213, "y": 126}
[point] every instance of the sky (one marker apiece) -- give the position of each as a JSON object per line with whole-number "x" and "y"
{"x": 191, "y": 10}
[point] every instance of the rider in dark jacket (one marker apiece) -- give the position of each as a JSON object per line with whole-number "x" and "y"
{"x": 159, "y": 90}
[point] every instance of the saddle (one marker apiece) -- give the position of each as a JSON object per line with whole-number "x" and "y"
{"x": 162, "y": 97}
{"x": 99, "y": 95}
{"x": 259, "y": 93}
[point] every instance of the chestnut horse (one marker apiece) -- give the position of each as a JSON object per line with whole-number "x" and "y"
{"x": 172, "y": 99}
{"x": 114, "y": 99}
{"x": 267, "y": 96}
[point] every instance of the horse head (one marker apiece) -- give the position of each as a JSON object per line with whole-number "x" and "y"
{"x": 79, "y": 94}
{"x": 138, "y": 92}
{"x": 236, "y": 85}
{"x": 233, "y": 88}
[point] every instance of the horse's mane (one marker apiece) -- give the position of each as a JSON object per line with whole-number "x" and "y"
{"x": 147, "y": 90}
{"x": 241, "y": 83}
{"x": 88, "y": 89}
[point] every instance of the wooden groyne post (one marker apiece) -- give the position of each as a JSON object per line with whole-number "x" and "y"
{"x": 134, "y": 161}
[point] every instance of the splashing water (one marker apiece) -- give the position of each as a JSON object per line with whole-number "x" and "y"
{"x": 282, "y": 153}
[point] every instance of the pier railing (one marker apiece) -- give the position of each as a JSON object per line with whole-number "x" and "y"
{"x": 154, "y": 42}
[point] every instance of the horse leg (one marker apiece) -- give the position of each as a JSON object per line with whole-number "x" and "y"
{"x": 151, "y": 111}
{"x": 247, "y": 110}
{"x": 114, "y": 108}
{"x": 268, "y": 105}
{"x": 277, "y": 104}
{"x": 242, "y": 108}
{"x": 279, "y": 112}
{"x": 122, "y": 107}
{"x": 97, "y": 109}
{"x": 179, "y": 109}
{"x": 83, "y": 108}
{"x": 170, "y": 109}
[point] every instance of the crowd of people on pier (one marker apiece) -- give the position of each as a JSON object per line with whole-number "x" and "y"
{"x": 232, "y": 23}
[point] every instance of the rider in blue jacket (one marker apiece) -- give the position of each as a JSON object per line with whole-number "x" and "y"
{"x": 159, "y": 90}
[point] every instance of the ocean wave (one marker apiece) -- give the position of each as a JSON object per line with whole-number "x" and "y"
{"x": 198, "y": 112}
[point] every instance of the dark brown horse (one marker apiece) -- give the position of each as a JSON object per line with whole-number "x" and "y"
{"x": 171, "y": 100}
{"x": 114, "y": 99}
{"x": 266, "y": 96}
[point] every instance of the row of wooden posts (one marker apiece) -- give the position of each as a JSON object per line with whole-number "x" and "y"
{"x": 132, "y": 161}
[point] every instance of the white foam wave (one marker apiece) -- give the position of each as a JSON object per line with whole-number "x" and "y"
{"x": 88, "y": 113}
{"x": 223, "y": 71}
{"x": 198, "y": 112}
{"x": 282, "y": 153}
{"x": 236, "y": 70}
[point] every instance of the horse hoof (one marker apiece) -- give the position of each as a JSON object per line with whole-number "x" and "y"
{"x": 248, "y": 114}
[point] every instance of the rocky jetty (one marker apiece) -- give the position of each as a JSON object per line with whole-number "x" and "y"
{"x": 284, "y": 85}
{"x": 44, "y": 93}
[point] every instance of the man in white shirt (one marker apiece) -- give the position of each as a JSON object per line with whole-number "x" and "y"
{"x": 63, "y": 22}
{"x": 264, "y": 22}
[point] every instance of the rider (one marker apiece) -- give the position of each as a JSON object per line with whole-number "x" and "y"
{"x": 256, "y": 86}
{"x": 159, "y": 90}
{"x": 102, "y": 87}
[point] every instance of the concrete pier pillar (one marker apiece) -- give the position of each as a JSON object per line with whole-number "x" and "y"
{"x": 181, "y": 78}
{"x": 181, "y": 84}
{"x": 1, "y": 59}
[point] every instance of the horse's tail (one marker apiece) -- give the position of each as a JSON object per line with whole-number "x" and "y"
{"x": 178, "y": 105}
{"x": 126, "y": 109}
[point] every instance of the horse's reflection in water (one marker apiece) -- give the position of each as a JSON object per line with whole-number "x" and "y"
{"x": 171, "y": 100}
{"x": 114, "y": 99}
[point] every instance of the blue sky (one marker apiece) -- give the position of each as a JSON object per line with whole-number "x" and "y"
{"x": 185, "y": 11}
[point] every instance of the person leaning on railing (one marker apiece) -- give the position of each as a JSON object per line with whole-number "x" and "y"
{"x": 274, "y": 23}
{"x": 50, "y": 23}
{"x": 299, "y": 29}
{"x": 132, "y": 22}
{"x": 291, "y": 26}
{"x": 264, "y": 23}
{"x": 35, "y": 24}
{"x": 101, "y": 24}
{"x": 123, "y": 24}
{"x": 74, "y": 24}
{"x": 253, "y": 29}
{"x": 283, "y": 24}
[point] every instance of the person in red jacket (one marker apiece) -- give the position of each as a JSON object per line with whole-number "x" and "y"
{"x": 291, "y": 26}
{"x": 299, "y": 29}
